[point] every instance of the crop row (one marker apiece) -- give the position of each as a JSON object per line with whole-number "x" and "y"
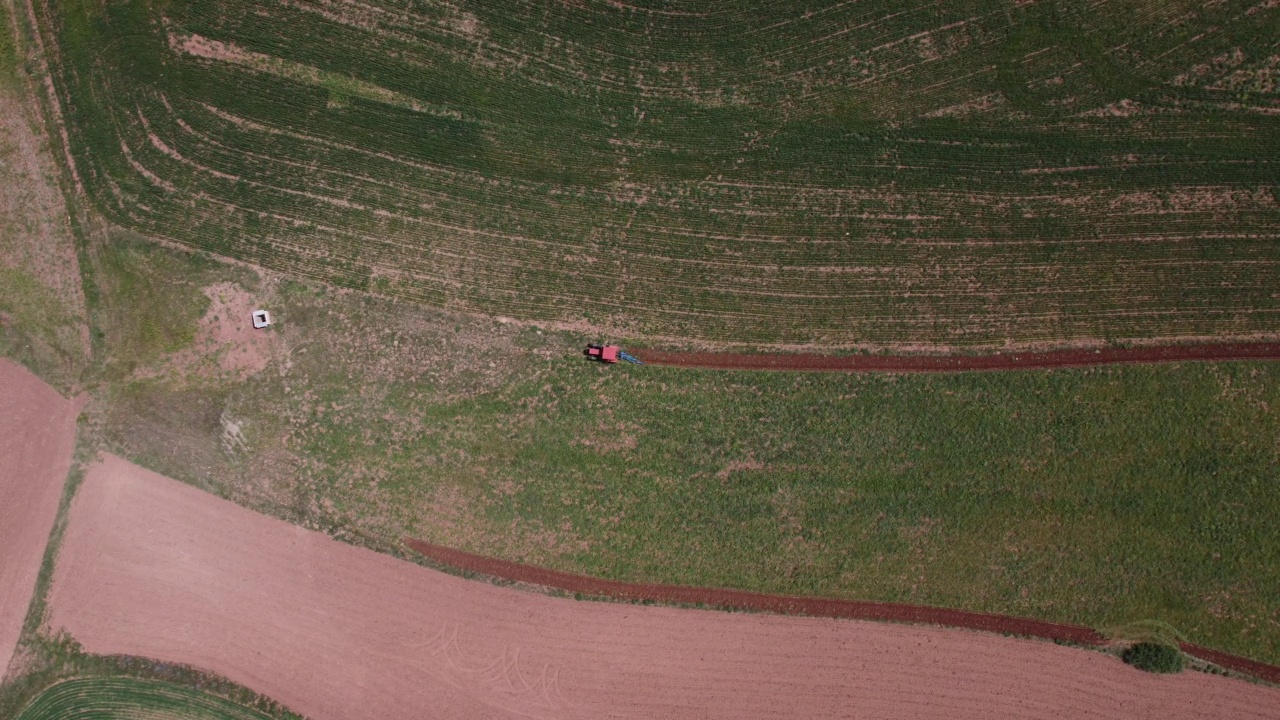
{"x": 125, "y": 697}
{"x": 561, "y": 199}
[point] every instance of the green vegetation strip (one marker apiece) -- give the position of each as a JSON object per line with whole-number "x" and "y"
{"x": 126, "y": 698}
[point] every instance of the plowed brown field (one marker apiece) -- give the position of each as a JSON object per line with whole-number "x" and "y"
{"x": 956, "y": 363}
{"x": 156, "y": 568}
{"x": 37, "y": 435}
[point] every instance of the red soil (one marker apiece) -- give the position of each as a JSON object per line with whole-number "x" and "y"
{"x": 955, "y": 363}
{"x": 743, "y": 600}
{"x": 37, "y": 436}
{"x": 155, "y": 568}
{"x": 1234, "y": 662}
{"x": 791, "y": 605}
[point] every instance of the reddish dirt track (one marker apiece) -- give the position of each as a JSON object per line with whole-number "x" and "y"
{"x": 742, "y": 600}
{"x": 958, "y": 363}
{"x": 1234, "y": 662}
{"x": 37, "y": 436}
{"x": 155, "y": 568}
{"x": 791, "y": 605}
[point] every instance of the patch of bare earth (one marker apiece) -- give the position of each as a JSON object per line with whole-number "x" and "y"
{"x": 982, "y": 104}
{"x": 37, "y": 436}
{"x": 226, "y": 341}
{"x": 209, "y": 49}
{"x": 155, "y": 568}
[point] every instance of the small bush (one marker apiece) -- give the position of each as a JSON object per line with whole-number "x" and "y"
{"x": 1154, "y": 657}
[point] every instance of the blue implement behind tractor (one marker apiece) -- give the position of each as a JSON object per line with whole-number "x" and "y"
{"x": 609, "y": 354}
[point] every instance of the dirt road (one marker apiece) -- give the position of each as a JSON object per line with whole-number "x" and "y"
{"x": 155, "y": 568}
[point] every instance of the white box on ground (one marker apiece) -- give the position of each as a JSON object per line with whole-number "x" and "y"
{"x": 261, "y": 318}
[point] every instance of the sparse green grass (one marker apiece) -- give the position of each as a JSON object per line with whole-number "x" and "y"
{"x": 1145, "y": 631}
{"x": 157, "y": 300}
{"x": 38, "y": 329}
{"x": 1091, "y": 497}
{"x": 751, "y": 173}
{"x": 41, "y": 313}
{"x": 9, "y": 78}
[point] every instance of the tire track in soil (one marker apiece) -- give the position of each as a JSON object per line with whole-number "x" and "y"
{"x": 1270, "y": 673}
{"x": 743, "y": 600}
{"x": 961, "y": 363}
{"x": 726, "y": 599}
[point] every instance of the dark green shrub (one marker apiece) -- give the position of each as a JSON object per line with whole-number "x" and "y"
{"x": 1154, "y": 657}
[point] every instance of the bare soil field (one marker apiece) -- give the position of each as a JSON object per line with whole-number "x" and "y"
{"x": 155, "y": 568}
{"x": 957, "y": 363}
{"x": 728, "y": 599}
{"x": 37, "y": 436}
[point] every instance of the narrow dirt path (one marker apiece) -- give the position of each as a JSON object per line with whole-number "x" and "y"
{"x": 958, "y": 363}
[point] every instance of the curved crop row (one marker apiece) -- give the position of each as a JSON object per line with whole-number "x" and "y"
{"x": 863, "y": 174}
{"x": 125, "y": 698}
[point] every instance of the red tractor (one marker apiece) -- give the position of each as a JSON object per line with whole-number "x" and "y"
{"x": 609, "y": 354}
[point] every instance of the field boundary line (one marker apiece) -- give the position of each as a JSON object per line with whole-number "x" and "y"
{"x": 723, "y": 598}
{"x": 727, "y": 599}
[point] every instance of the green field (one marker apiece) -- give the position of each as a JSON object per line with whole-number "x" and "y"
{"x": 883, "y": 173}
{"x": 124, "y": 698}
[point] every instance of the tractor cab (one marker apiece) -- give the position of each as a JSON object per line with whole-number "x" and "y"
{"x": 603, "y": 353}
{"x": 609, "y": 354}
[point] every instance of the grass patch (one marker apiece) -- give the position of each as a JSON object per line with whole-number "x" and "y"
{"x": 41, "y": 313}
{"x": 155, "y": 304}
{"x": 37, "y": 328}
{"x": 9, "y": 78}
{"x": 1146, "y": 631}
